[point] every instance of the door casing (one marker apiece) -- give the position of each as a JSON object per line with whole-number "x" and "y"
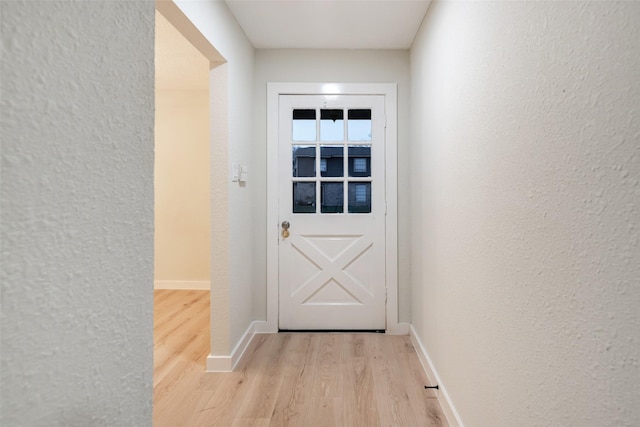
{"x": 389, "y": 90}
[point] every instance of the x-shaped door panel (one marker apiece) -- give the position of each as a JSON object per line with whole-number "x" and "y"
{"x": 331, "y": 284}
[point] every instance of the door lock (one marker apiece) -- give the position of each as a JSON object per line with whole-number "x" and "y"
{"x": 285, "y": 229}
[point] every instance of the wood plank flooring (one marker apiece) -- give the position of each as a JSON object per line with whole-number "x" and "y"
{"x": 286, "y": 379}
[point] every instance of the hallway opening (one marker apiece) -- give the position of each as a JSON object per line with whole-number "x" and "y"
{"x": 190, "y": 193}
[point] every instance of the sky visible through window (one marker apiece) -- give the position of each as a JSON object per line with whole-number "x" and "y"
{"x": 331, "y": 130}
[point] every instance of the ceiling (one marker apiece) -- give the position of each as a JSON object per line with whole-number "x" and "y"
{"x": 330, "y": 24}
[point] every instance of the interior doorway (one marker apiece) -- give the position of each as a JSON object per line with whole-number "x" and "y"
{"x": 191, "y": 101}
{"x": 182, "y": 168}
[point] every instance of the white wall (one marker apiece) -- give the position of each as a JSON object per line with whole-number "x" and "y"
{"x": 77, "y": 213}
{"x": 337, "y": 66}
{"x": 230, "y": 319}
{"x": 525, "y": 165}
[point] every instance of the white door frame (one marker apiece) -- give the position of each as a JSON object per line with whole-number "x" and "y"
{"x": 389, "y": 90}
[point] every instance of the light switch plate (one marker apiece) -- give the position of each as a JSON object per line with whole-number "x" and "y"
{"x": 235, "y": 172}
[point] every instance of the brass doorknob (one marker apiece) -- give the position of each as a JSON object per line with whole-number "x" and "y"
{"x": 285, "y": 229}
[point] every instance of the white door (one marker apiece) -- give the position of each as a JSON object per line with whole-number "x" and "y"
{"x": 331, "y": 205}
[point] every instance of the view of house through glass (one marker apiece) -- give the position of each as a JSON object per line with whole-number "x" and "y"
{"x": 320, "y": 172}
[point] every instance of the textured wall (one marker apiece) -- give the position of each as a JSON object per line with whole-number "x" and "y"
{"x": 526, "y": 177}
{"x": 77, "y": 213}
{"x": 340, "y": 66}
{"x": 220, "y": 320}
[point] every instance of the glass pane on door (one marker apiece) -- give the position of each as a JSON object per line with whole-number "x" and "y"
{"x": 359, "y": 197}
{"x": 303, "y": 161}
{"x": 332, "y": 161}
{"x": 360, "y": 160}
{"x": 332, "y": 197}
{"x": 331, "y": 125}
{"x": 304, "y": 125}
{"x": 304, "y": 197}
{"x": 359, "y": 125}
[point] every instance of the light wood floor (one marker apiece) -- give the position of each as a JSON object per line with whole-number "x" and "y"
{"x": 287, "y": 379}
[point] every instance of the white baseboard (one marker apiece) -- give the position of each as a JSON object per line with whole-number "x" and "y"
{"x": 228, "y": 363}
{"x": 199, "y": 285}
{"x": 261, "y": 327}
{"x": 432, "y": 375}
{"x": 400, "y": 328}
